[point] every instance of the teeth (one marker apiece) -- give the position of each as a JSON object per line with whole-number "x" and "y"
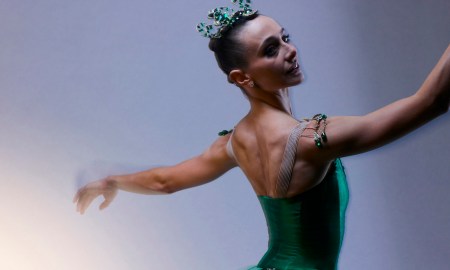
{"x": 296, "y": 66}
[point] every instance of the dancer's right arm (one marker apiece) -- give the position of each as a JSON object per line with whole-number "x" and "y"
{"x": 198, "y": 170}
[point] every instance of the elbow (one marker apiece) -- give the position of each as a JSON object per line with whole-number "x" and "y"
{"x": 445, "y": 109}
{"x": 166, "y": 188}
{"x": 435, "y": 105}
{"x": 161, "y": 183}
{"x": 441, "y": 104}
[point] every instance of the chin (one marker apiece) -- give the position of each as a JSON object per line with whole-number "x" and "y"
{"x": 298, "y": 81}
{"x": 301, "y": 77}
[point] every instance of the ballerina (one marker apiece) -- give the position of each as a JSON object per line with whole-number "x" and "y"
{"x": 293, "y": 165}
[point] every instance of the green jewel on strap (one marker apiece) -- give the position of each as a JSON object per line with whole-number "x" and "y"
{"x": 225, "y": 132}
{"x": 324, "y": 136}
{"x": 319, "y": 140}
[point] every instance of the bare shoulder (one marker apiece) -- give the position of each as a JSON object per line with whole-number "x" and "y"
{"x": 271, "y": 128}
{"x": 218, "y": 149}
{"x": 317, "y": 139}
{"x": 343, "y": 137}
{"x": 264, "y": 139}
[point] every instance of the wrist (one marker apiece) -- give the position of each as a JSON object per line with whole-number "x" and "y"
{"x": 111, "y": 181}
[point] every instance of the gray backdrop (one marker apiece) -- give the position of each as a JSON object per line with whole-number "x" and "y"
{"x": 90, "y": 88}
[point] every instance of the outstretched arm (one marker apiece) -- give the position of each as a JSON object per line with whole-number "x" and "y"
{"x": 353, "y": 135}
{"x": 162, "y": 180}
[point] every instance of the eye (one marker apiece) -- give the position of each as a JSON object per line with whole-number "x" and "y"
{"x": 271, "y": 50}
{"x": 286, "y": 38}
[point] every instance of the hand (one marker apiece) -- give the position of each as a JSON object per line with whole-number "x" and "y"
{"x": 89, "y": 192}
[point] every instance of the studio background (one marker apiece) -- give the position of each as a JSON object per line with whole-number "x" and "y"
{"x": 91, "y": 88}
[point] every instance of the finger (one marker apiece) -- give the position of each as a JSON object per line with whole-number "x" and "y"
{"x": 104, "y": 204}
{"x": 85, "y": 202}
{"x": 109, "y": 197}
{"x": 77, "y": 196}
{"x": 80, "y": 197}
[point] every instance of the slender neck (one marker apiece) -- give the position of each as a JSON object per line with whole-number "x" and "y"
{"x": 268, "y": 101}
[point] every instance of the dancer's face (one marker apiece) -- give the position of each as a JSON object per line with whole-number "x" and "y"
{"x": 272, "y": 59}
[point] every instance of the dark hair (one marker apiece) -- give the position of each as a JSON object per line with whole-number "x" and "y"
{"x": 230, "y": 53}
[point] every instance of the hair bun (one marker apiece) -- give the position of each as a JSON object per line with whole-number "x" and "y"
{"x": 213, "y": 44}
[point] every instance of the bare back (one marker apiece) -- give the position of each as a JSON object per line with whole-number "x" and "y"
{"x": 259, "y": 145}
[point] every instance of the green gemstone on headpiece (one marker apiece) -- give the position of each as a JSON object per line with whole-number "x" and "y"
{"x": 200, "y": 27}
{"x": 224, "y": 17}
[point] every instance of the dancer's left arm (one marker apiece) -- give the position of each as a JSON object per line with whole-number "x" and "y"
{"x": 357, "y": 134}
{"x": 198, "y": 170}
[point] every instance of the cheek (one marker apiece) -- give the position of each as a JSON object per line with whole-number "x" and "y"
{"x": 264, "y": 66}
{"x": 270, "y": 74}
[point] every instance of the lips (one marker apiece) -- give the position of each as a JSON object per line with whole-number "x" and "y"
{"x": 293, "y": 68}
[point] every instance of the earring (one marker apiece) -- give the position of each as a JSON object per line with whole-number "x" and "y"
{"x": 251, "y": 84}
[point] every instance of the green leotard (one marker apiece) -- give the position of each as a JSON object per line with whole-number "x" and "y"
{"x": 306, "y": 231}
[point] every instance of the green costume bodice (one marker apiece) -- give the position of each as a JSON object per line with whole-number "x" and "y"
{"x": 306, "y": 231}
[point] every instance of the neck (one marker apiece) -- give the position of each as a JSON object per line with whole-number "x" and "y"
{"x": 279, "y": 101}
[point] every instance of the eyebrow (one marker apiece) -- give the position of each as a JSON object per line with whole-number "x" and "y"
{"x": 269, "y": 40}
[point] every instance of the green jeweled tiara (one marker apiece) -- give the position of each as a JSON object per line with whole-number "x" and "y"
{"x": 224, "y": 18}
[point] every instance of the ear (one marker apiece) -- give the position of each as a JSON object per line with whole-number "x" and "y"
{"x": 239, "y": 77}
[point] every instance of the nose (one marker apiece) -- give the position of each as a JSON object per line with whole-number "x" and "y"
{"x": 291, "y": 54}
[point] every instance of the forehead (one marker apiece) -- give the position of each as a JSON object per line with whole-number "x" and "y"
{"x": 259, "y": 29}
